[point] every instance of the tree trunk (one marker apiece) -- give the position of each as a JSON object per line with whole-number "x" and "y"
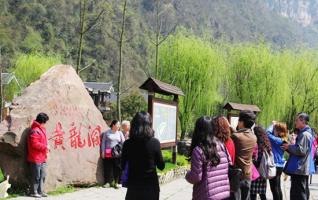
{"x": 80, "y": 45}
{"x": 157, "y": 38}
{"x": 121, "y": 40}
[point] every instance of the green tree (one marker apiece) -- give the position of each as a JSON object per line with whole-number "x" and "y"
{"x": 131, "y": 104}
{"x": 255, "y": 76}
{"x": 197, "y": 67}
{"x": 120, "y": 40}
{"x": 32, "y": 41}
{"x": 85, "y": 26}
{"x": 28, "y": 68}
{"x": 301, "y": 68}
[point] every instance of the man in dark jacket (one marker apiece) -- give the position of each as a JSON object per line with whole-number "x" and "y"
{"x": 245, "y": 142}
{"x": 37, "y": 155}
{"x": 300, "y": 163}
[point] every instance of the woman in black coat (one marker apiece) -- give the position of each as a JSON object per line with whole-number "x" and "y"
{"x": 142, "y": 154}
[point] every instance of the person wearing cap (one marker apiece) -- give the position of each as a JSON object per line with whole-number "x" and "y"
{"x": 300, "y": 164}
{"x": 245, "y": 142}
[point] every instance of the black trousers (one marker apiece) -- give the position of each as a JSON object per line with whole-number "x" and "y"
{"x": 148, "y": 192}
{"x": 299, "y": 189}
{"x": 244, "y": 192}
{"x": 112, "y": 170}
{"x": 262, "y": 196}
{"x": 275, "y": 184}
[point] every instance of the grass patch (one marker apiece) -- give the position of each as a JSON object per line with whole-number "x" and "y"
{"x": 181, "y": 159}
{"x": 11, "y": 196}
{"x": 14, "y": 193}
{"x": 1, "y": 176}
{"x": 169, "y": 166}
{"x": 167, "y": 157}
{"x": 62, "y": 190}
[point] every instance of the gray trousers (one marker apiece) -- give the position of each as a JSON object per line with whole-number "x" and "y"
{"x": 38, "y": 174}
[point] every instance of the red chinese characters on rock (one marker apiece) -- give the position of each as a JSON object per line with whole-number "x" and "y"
{"x": 58, "y": 136}
{"x": 94, "y": 136}
{"x": 75, "y": 137}
{"x": 90, "y": 137}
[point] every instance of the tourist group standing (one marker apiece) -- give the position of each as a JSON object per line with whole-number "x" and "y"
{"x": 131, "y": 157}
{"x": 254, "y": 155}
{"x": 226, "y": 163}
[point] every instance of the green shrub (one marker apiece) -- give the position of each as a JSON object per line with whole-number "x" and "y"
{"x": 27, "y": 69}
{"x": 181, "y": 159}
{"x": 1, "y": 176}
{"x": 167, "y": 156}
{"x": 169, "y": 166}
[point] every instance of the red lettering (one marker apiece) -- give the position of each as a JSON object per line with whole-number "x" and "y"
{"x": 75, "y": 137}
{"x": 94, "y": 136}
{"x": 58, "y": 137}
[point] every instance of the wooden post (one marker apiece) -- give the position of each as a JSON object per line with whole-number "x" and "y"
{"x": 229, "y": 115}
{"x": 175, "y": 147}
{"x": 150, "y": 98}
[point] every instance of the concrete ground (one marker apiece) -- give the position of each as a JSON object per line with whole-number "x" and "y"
{"x": 176, "y": 190}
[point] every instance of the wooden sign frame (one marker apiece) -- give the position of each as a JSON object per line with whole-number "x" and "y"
{"x": 151, "y": 102}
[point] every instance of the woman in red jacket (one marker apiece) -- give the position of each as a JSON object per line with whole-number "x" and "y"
{"x": 37, "y": 155}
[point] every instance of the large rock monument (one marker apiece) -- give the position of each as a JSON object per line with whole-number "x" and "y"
{"x": 73, "y": 131}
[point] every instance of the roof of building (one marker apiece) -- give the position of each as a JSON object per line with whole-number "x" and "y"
{"x": 238, "y": 106}
{"x": 96, "y": 87}
{"x": 154, "y": 85}
{"x": 6, "y": 78}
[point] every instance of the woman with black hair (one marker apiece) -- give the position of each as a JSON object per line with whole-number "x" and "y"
{"x": 209, "y": 163}
{"x": 259, "y": 185}
{"x": 110, "y": 139}
{"x": 142, "y": 154}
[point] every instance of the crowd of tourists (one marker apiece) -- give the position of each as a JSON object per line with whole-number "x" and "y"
{"x": 236, "y": 164}
{"x": 226, "y": 162}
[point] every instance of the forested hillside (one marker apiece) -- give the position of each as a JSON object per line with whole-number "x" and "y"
{"x": 52, "y": 27}
{"x": 216, "y": 51}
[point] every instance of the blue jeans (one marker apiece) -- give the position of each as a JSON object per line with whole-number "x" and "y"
{"x": 38, "y": 174}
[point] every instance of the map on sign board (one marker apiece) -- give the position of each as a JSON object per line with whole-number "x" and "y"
{"x": 234, "y": 122}
{"x": 165, "y": 122}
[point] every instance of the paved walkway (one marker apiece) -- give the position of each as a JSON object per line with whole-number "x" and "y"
{"x": 176, "y": 190}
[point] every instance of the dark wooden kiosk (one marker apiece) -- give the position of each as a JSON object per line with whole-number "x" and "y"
{"x": 164, "y": 113}
{"x": 234, "y": 109}
{"x": 100, "y": 93}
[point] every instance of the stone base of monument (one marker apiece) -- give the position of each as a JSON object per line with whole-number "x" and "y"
{"x": 173, "y": 174}
{"x": 4, "y": 186}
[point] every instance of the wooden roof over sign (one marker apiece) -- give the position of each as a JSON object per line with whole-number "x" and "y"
{"x": 154, "y": 85}
{"x": 96, "y": 87}
{"x": 238, "y": 106}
